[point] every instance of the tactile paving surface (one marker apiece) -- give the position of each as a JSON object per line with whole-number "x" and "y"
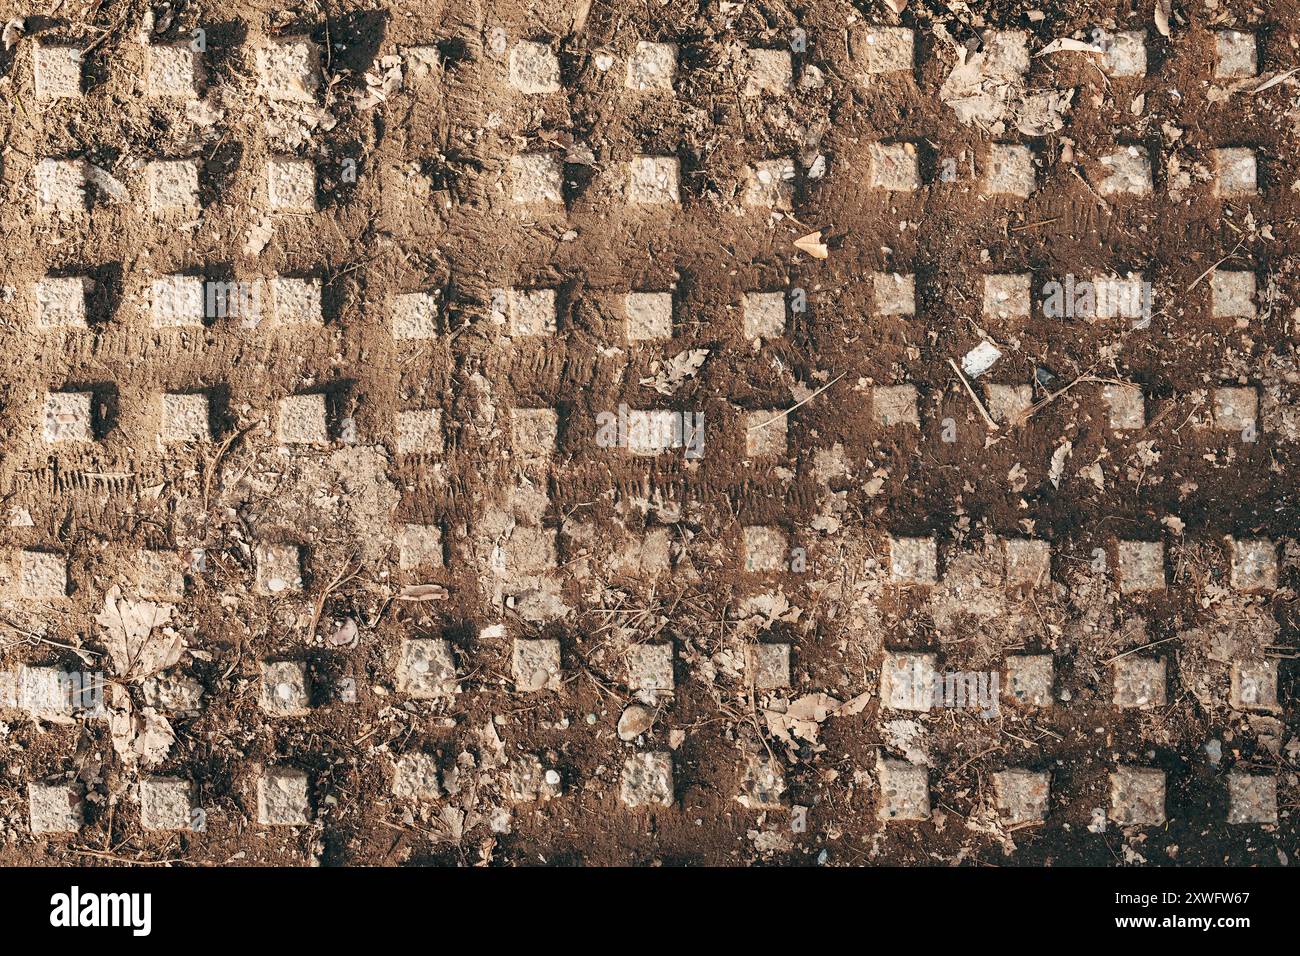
{"x": 582, "y": 433}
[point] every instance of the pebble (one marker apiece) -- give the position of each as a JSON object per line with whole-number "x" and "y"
{"x": 635, "y": 721}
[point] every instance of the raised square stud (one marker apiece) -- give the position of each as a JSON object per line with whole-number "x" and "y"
{"x": 1139, "y": 682}
{"x": 160, "y": 576}
{"x": 534, "y": 68}
{"x": 185, "y": 418}
{"x": 1126, "y": 54}
{"x": 173, "y": 186}
{"x": 426, "y": 669}
{"x": 415, "y": 316}
{"x": 536, "y": 179}
{"x": 894, "y": 294}
{"x": 296, "y": 301}
{"x": 1010, "y": 171}
{"x": 652, "y": 66}
{"x": 1027, "y": 562}
{"x": 67, "y": 417}
{"x": 278, "y": 569}
{"x": 53, "y": 808}
{"x": 289, "y": 69}
{"x": 1007, "y": 403}
{"x": 1235, "y": 409}
{"x": 1008, "y": 296}
{"x": 1125, "y": 407}
{"x": 647, "y": 781}
{"x": 282, "y": 797}
{"x": 285, "y": 689}
{"x": 1252, "y": 798}
{"x": 419, "y": 546}
{"x": 904, "y": 791}
{"x": 769, "y": 184}
{"x": 765, "y": 434}
{"x": 1141, "y": 566}
{"x": 531, "y": 551}
{"x": 177, "y": 301}
{"x": 57, "y": 71}
{"x": 1030, "y": 678}
{"x": 761, "y": 784}
{"x": 1254, "y": 564}
{"x": 765, "y": 549}
{"x": 893, "y": 405}
{"x": 768, "y": 71}
{"x": 535, "y": 665}
{"x": 291, "y": 184}
{"x": 533, "y": 435}
{"x": 1128, "y": 172}
{"x": 1120, "y": 296}
{"x": 888, "y": 50}
{"x": 764, "y": 314}
{"x": 895, "y": 167}
{"x": 1022, "y": 795}
{"x": 61, "y": 187}
{"x": 531, "y": 312}
{"x": 416, "y": 777}
{"x": 166, "y": 803}
{"x": 1254, "y": 685}
{"x": 768, "y": 666}
{"x": 1232, "y": 294}
{"x": 419, "y": 432}
{"x": 649, "y": 315}
{"x": 1235, "y": 55}
{"x": 42, "y": 576}
{"x": 302, "y": 420}
{"x": 908, "y": 680}
{"x": 61, "y": 301}
{"x": 913, "y": 560}
{"x": 1235, "y": 173}
{"x": 1137, "y": 796}
{"x": 172, "y": 72}
{"x": 652, "y": 180}
{"x": 650, "y": 671}
{"x": 529, "y": 781}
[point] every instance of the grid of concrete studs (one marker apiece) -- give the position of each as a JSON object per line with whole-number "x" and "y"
{"x": 289, "y": 70}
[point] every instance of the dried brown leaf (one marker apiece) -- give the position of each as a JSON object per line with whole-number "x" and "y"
{"x": 813, "y": 245}
{"x": 1163, "y": 9}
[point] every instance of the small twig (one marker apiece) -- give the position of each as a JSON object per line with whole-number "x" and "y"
{"x": 1134, "y": 650}
{"x": 1197, "y": 280}
{"x": 341, "y": 577}
{"x": 127, "y": 860}
{"x": 216, "y": 460}
{"x": 1033, "y": 225}
{"x": 988, "y": 419}
{"x": 783, "y": 414}
{"x": 1280, "y": 78}
{"x": 1042, "y": 403}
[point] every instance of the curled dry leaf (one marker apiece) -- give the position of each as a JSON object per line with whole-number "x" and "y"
{"x": 133, "y": 647}
{"x": 109, "y": 187}
{"x": 898, "y": 6}
{"x": 1069, "y": 46}
{"x": 146, "y": 736}
{"x": 423, "y": 592}
{"x": 1057, "y": 467}
{"x": 813, "y": 245}
{"x": 803, "y": 717}
{"x": 259, "y": 234}
{"x": 670, "y": 376}
{"x": 14, "y": 31}
{"x": 1163, "y": 9}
